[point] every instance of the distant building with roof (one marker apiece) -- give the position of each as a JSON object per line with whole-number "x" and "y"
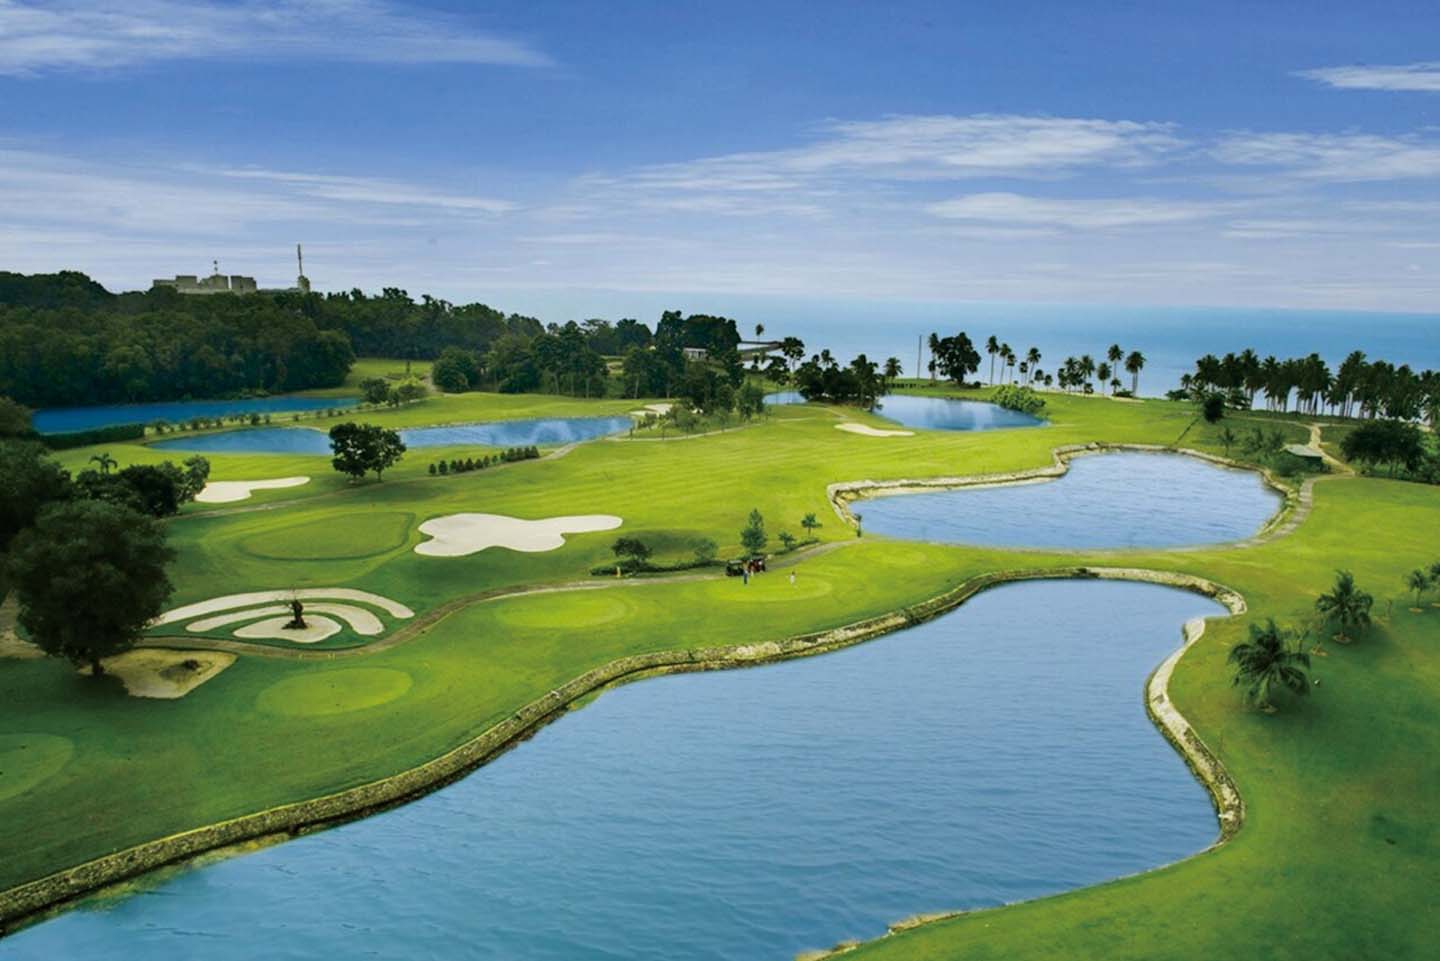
{"x": 218, "y": 283}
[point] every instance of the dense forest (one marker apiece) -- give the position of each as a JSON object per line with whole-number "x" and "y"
{"x": 65, "y": 340}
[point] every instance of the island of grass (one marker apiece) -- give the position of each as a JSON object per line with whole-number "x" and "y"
{"x": 1336, "y": 856}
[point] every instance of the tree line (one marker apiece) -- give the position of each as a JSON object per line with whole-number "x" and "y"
{"x": 1359, "y": 387}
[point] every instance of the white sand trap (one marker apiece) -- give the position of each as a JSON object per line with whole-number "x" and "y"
{"x": 359, "y": 619}
{"x": 316, "y": 628}
{"x": 165, "y": 673}
{"x": 866, "y": 430}
{"x": 659, "y": 408}
{"x": 456, "y": 535}
{"x": 223, "y": 492}
{"x": 232, "y": 602}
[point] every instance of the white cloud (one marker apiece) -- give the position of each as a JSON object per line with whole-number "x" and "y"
{"x": 1411, "y": 76}
{"x": 1086, "y": 214}
{"x": 370, "y": 190}
{"x": 1334, "y": 157}
{"x": 83, "y": 34}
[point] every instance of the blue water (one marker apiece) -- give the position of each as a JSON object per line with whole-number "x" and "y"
{"x": 934, "y": 413}
{"x": 1171, "y": 338}
{"x": 505, "y": 433}
{"x": 1105, "y": 501}
{"x": 939, "y": 413}
{"x": 998, "y": 753}
{"x": 54, "y": 420}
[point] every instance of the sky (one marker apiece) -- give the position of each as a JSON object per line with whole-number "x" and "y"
{"x": 573, "y": 159}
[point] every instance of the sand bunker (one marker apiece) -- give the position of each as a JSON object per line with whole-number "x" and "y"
{"x": 232, "y": 602}
{"x": 659, "y": 408}
{"x": 456, "y": 535}
{"x": 165, "y": 673}
{"x": 868, "y": 431}
{"x": 316, "y": 629}
{"x": 223, "y": 492}
{"x": 360, "y": 620}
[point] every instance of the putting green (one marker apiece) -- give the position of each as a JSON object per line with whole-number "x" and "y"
{"x": 28, "y": 759}
{"x": 773, "y": 587}
{"x": 335, "y": 538}
{"x": 333, "y": 692}
{"x": 580, "y": 609}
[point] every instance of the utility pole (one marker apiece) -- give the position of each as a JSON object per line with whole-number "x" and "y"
{"x": 919, "y": 339}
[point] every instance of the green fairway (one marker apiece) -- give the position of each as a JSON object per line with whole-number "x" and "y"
{"x": 1339, "y": 854}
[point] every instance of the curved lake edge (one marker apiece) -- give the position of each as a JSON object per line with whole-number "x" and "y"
{"x": 37, "y": 900}
{"x": 1294, "y": 507}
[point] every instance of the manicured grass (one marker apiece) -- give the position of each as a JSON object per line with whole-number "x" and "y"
{"x": 1338, "y": 857}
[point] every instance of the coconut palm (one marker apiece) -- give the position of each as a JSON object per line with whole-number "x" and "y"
{"x": 105, "y": 462}
{"x": 1103, "y": 372}
{"x": 1418, "y": 581}
{"x": 1007, "y": 357}
{"x": 992, "y": 347}
{"x": 1227, "y": 439}
{"x": 892, "y": 370}
{"x": 1115, "y": 355}
{"x": 1032, "y": 357}
{"x": 1087, "y": 368}
{"x": 1346, "y": 605}
{"x": 759, "y": 331}
{"x": 1134, "y": 364}
{"x": 1265, "y": 664}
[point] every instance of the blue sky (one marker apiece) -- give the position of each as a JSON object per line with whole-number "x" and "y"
{"x": 575, "y": 158}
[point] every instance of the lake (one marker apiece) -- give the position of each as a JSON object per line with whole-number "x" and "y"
{"x": 934, "y": 413}
{"x": 1115, "y": 500}
{"x": 998, "y": 753}
{"x": 56, "y": 420}
{"x": 545, "y": 432}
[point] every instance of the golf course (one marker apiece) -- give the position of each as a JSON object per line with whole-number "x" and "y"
{"x": 453, "y": 615}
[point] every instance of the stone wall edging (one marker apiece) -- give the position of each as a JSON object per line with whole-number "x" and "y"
{"x": 30, "y": 901}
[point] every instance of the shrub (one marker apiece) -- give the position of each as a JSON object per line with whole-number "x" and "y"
{"x": 1018, "y": 397}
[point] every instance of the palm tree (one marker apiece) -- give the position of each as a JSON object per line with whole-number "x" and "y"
{"x": 1346, "y": 605}
{"x": 1103, "y": 372}
{"x": 809, "y": 523}
{"x": 892, "y": 371}
{"x": 1115, "y": 355}
{"x": 1134, "y": 364}
{"x": 1007, "y": 357}
{"x": 992, "y": 347}
{"x": 1087, "y": 368}
{"x": 935, "y": 345}
{"x": 105, "y": 461}
{"x": 1227, "y": 439}
{"x": 1419, "y": 582}
{"x": 1265, "y": 664}
{"x": 1032, "y": 357}
{"x": 759, "y": 331}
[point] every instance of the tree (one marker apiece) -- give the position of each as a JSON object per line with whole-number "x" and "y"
{"x": 1115, "y": 356}
{"x": 1212, "y": 408}
{"x": 1393, "y": 442}
{"x": 455, "y": 370}
{"x": 787, "y": 540}
{"x": 705, "y": 550}
{"x": 1135, "y": 363}
{"x": 104, "y": 461}
{"x": 89, "y": 576}
{"x": 405, "y": 392}
{"x": 14, "y": 418}
{"x": 956, "y": 357}
{"x": 753, "y": 537}
{"x": 196, "y": 473}
{"x": 375, "y": 390}
{"x": 892, "y": 370}
{"x": 1227, "y": 439}
{"x": 360, "y": 448}
{"x": 1265, "y": 664}
{"x": 810, "y": 524}
{"x": 632, "y": 548}
{"x": 1418, "y": 581}
{"x": 749, "y": 400}
{"x": 992, "y": 347}
{"x": 1345, "y": 605}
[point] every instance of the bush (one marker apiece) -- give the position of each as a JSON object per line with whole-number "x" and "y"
{"x": 1018, "y": 397}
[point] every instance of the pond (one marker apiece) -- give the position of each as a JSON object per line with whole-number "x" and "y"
{"x": 546, "y": 432}
{"x": 56, "y": 420}
{"x": 1106, "y": 501}
{"x": 934, "y": 413}
{"x": 997, "y": 753}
